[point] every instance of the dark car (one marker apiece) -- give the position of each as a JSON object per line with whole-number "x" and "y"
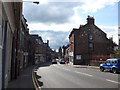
{"x": 54, "y": 61}
{"x": 62, "y": 61}
{"x": 111, "y": 65}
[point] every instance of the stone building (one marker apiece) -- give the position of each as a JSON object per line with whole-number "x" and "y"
{"x": 42, "y": 51}
{"x": 1, "y": 45}
{"x": 60, "y": 52}
{"x": 24, "y": 43}
{"x": 48, "y": 51}
{"x": 66, "y": 53}
{"x": 10, "y": 18}
{"x": 88, "y": 42}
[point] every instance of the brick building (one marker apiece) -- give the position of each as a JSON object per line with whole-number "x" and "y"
{"x": 88, "y": 42}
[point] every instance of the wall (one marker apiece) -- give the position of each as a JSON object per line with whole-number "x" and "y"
{"x": 71, "y": 49}
{"x": 81, "y": 47}
{"x": 9, "y": 10}
{"x": 9, "y": 50}
{"x": 8, "y": 20}
{"x": 0, "y": 50}
{"x": 9, "y": 28}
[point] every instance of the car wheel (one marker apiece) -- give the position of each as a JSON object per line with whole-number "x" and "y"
{"x": 101, "y": 69}
{"x": 114, "y": 70}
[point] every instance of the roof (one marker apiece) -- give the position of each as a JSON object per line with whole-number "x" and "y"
{"x": 92, "y": 26}
{"x": 72, "y": 32}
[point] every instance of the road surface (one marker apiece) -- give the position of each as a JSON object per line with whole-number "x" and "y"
{"x": 66, "y": 76}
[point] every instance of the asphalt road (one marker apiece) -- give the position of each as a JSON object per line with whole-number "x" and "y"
{"x": 65, "y": 76}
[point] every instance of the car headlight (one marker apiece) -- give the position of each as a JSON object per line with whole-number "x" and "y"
{"x": 101, "y": 64}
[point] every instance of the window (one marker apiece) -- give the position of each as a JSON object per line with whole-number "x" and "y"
{"x": 114, "y": 62}
{"x": 37, "y": 41}
{"x": 90, "y": 37}
{"x": 108, "y": 62}
{"x": 91, "y": 45}
{"x": 119, "y": 62}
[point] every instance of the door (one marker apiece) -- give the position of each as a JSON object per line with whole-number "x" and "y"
{"x": 108, "y": 65}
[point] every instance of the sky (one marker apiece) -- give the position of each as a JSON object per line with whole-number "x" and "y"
{"x": 55, "y": 19}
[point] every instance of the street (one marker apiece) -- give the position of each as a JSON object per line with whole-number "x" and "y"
{"x": 66, "y": 76}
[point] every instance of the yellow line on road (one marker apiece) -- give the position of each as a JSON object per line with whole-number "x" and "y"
{"x": 35, "y": 82}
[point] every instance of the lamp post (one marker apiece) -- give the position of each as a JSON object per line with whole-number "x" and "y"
{"x": 35, "y": 2}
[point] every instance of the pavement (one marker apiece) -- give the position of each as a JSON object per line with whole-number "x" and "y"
{"x": 24, "y": 80}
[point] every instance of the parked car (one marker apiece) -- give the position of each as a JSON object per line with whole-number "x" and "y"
{"x": 54, "y": 61}
{"x": 111, "y": 65}
{"x": 62, "y": 61}
{"x": 57, "y": 60}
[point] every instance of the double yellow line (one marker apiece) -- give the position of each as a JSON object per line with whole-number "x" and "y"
{"x": 35, "y": 81}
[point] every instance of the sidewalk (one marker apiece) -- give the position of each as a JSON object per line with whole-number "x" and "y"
{"x": 84, "y": 66}
{"x": 24, "y": 80}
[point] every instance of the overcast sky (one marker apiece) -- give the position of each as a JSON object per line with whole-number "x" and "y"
{"x": 55, "y": 19}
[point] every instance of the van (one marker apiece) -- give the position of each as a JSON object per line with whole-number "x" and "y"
{"x": 111, "y": 65}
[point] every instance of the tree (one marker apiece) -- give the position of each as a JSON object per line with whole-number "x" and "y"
{"x": 117, "y": 51}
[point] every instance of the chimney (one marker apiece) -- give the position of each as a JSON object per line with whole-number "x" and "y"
{"x": 48, "y": 42}
{"x": 81, "y": 26}
{"x": 90, "y": 20}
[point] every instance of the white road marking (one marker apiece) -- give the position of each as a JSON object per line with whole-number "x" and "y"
{"x": 83, "y": 73}
{"x": 66, "y": 69}
{"x": 54, "y": 65}
{"x": 59, "y": 63}
{"x": 76, "y": 71}
{"x": 113, "y": 81}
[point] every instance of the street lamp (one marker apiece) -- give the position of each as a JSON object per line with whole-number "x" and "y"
{"x": 36, "y": 2}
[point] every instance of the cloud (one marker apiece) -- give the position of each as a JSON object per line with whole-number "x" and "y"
{"x": 112, "y": 31}
{"x": 95, "y": 5}
{"x": 55, "y": 27}
{"x": 53, "y": 12}
{"x": 62, "y": 12}
{"x": 57, "y": 38}
{"x": 60, "y": 38}
{"x": 54, "y": 20}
